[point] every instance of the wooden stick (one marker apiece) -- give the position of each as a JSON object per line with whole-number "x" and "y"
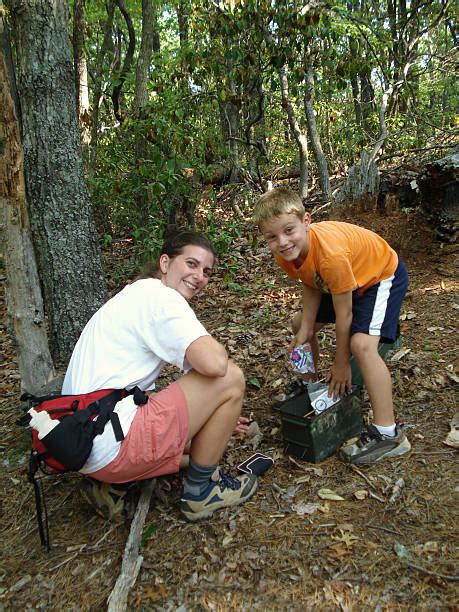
{"x": 362, "y": 475}
{"x": 132, "y": 560}
{"x": 424, "y": 570}
{"x": 384, "y": 529}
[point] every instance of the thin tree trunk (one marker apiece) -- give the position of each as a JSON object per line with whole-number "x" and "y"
{"x": 141, "y": 100}
{"x": 230, "y": 111}
{"x": 24, "y": 300}
{"x": 63, "y": 229}
{"x": 81, "y": 75}
{"x": 116, "y": 93}
{"x": 146, "y": 50}
{"x": 182, "y": 10}
{"x": 98, "y": 86}
{"x": 299, "y": 136}
{"x": 314, "y": 137}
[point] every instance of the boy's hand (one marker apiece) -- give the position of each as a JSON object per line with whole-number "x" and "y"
{"x": 303, "y": 335}
{"x": 339, "y": 380}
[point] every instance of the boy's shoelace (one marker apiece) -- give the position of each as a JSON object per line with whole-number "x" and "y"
{"x": 369, "y": 434}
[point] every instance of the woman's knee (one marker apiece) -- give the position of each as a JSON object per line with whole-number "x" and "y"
{"x": 235, "y": 379}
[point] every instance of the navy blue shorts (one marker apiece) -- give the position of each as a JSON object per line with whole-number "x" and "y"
{"x": 377, "y": 311}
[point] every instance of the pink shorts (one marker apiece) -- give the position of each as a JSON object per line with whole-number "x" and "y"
{"x": 155, "y": 441}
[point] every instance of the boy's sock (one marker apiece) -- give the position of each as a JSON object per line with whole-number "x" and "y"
{"x": 198, "y": 477}
{"x": 388, "y": 430}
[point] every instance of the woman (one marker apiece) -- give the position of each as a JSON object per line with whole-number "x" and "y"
{"x": 125, "y": 344}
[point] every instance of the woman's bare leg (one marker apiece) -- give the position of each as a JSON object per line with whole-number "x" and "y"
{"x": 214, "y": 405}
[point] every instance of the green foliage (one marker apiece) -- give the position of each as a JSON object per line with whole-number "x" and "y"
{"x": 149, "y": 531}
{"x": 211, "y": 81}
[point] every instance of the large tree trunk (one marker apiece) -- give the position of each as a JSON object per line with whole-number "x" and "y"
{"x": 64, "y": 234}
{"x": 24, "y": 300}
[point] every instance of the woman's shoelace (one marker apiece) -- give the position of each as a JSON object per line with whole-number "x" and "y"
{"x": 228, "y": 481}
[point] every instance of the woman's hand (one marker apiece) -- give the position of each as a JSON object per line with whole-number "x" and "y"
{"x": 339, "y": 380}
{"x": 242, "y": 425}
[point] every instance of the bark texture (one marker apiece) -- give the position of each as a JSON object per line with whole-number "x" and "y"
{"x": 24, "y": 300}
{"x": 63, "y": 229}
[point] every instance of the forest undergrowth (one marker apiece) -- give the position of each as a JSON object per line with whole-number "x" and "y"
{"x": 287, "y": 548}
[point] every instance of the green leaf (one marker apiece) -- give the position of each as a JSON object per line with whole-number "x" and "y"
{"x": 254, "y": 382}
{"x": 149, "y": 531}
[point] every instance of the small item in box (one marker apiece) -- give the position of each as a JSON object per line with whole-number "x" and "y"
{"x": 322, "y": 401}
{"x": 302, "y": 359}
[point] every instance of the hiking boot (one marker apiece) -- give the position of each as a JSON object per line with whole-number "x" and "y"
{"x": 373, "y": 446}
{"x": 223, "y": 491}
{"x": 294, "y": 388}
{"x": 108, "y": 500}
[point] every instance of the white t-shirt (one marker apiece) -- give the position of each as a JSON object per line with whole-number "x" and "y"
{"x": 126, "y": 343}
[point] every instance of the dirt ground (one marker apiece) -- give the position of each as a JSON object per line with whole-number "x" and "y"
{"x": 287, "y": 548}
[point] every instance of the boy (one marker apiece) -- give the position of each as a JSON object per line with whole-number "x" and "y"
{"x": 353, "y": 278}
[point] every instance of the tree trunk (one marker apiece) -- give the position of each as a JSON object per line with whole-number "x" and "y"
{"x": 98, "y": 85}
{"x": 63, "y": 230}
{"x": 313, "y": 133}
{"x": 124, "y": 71}
{"x": 141, "y": 100}
{"x": 300, "y": 138}
{"x": 24, "y": 300}
{"x": 146, "y": 49}
{"x": 182, "y": 10}
{"x": 362, "y": 185}
{"x": 230, "y": 112}
{"x": 81, "y": 75}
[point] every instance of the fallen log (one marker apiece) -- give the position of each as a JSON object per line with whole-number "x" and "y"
{"x": 132, "y": 560}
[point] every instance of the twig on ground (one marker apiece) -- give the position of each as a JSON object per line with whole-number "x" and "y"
{"x": 106, "y": 534}
{"x": 380, "y": 499}
{"x": 442, "y": 452}
{"x": 362, "y": 475}
{"x": 75, "y": 554}
{"x": 385, "y": 529}
{"x": 424, "y": 570}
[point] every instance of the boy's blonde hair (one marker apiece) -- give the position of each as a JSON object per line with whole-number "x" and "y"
{"x": 277, "y": 202}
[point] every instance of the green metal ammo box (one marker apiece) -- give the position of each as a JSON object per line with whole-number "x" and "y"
{"x": 316, "y": 437}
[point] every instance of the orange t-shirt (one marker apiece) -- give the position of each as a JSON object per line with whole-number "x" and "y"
{"x": 343, "y": 257}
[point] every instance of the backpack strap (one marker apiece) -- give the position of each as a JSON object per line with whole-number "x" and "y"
{"x": 105, "y": 407}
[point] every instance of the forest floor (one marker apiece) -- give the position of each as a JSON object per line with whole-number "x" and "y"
{"x": 287, "y": 548}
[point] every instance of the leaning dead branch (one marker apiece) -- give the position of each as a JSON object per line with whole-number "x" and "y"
{"x": 132, "y": 560}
